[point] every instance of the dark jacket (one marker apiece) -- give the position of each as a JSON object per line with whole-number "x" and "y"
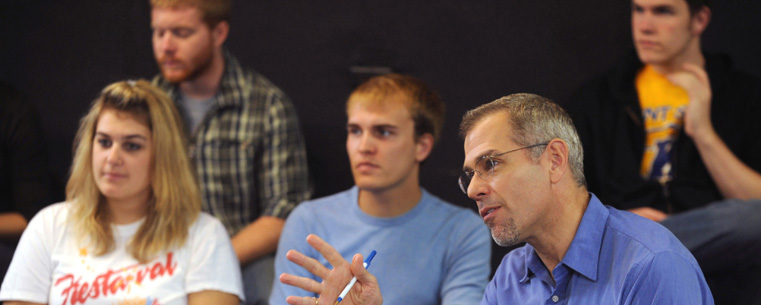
{"x": 608, "y": 117}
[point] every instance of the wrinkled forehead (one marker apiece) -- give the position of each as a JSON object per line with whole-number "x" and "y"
{"x": 491, "y": 133}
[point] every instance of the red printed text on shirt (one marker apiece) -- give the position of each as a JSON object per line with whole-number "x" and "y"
{"x": 112, "y": 281}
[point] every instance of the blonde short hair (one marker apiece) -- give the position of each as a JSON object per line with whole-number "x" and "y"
{"x": 425, "y": 105}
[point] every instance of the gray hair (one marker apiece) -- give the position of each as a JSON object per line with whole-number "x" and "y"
{"x": 534, "y": 119}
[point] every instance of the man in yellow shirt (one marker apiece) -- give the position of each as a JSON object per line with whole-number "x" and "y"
{"x": 663, "y": 141}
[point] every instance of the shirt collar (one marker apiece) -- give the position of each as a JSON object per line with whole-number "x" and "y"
{"x": 532, "y": 264}
{"x": 232, "y": 84}
{"x": 584, "y": 253}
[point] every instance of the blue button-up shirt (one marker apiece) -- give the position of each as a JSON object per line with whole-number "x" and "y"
{"x": 616, "y": 257}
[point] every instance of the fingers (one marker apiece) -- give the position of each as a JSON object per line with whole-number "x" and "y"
{"x": 698, "y": 72}
{"x": 335, "y": 280}
{"x": 301, "y": 300}
{"x": 358, "y": 269}
{"x": 686, "y": 80}
{"x": 308, "y": 263}
{"x": 691, "y": 76}
{"x": 326, "y": 250}
{"x": 301, "y": 282}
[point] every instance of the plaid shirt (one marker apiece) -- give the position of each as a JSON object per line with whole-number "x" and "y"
{"x": 248, "y": 149}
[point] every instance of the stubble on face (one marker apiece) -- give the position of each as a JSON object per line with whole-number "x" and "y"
{"x": 183, "y": 44}
{"x": 505, "y": 234}
{"x": 190, "y": 68}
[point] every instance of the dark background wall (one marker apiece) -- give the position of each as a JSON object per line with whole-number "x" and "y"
{"x": 62, "y": 53}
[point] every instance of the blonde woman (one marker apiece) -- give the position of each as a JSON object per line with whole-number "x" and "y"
{"x": 131, "y": 230}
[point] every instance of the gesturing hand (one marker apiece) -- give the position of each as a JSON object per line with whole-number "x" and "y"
{"x": 364, "y": 292}
{"x": 694, "y": 80}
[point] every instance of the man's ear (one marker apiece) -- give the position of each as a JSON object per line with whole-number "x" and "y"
{"x": 700, "y": 20}
{"x": 423, "y": 147}
{"x": 557, "y": 151}
{"x": 219, "y": 33}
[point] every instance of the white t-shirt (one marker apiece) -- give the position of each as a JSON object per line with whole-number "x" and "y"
{"x": 50, "y": 266}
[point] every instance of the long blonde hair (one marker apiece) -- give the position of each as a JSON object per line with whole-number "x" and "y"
{"x": 175, "y": 198}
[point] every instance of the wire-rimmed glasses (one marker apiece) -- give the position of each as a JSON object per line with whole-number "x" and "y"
{"x": 485, "y": 167}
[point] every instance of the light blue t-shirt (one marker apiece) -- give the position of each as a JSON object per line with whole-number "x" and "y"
{"x": 616, "y": 257}
{"x": 437, "y": 253}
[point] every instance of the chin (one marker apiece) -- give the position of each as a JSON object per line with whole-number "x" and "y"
{"x": 176, "y": 77}
{"x": 506, "y": 235}
{"x": 649, "y": 58}
{"x": 370, "y": 186}
{"x": 110, "y": 194}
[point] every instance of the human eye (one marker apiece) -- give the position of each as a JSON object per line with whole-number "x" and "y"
{"x": 488, "y": 164}
{"x": 353, "y": 130}
{"x": 130, "y": 146}
{"x": 663, "y": 10}
{"x": 158, "y": 33}
{"x": 384, "y": 132}
{"x": 103, "y": 142}
{"x": 183, "y": 32}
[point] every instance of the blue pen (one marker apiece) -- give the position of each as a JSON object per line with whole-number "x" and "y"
{"x": 366, "y": 264}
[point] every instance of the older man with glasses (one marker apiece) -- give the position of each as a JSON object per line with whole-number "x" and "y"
{"x": 523, "y": 167}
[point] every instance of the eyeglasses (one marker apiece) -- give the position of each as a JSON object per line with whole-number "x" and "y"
{"x": 485, "y": 167}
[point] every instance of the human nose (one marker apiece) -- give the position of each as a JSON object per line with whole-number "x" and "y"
{"x": 477, "y": 188}
{"x": 366, "y": 144}
{"x": 114, "y": 156}
{"x": 643, "y": 22}
{"x": 167, "y": 43}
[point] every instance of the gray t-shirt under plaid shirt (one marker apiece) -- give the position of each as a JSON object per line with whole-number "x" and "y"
{"x": 248, "y": 149}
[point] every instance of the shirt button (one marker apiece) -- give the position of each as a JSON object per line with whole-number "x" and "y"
{"x": 555, "y": 298}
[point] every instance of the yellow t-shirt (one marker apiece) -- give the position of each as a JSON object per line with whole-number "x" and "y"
{"x": 663, "y": 105}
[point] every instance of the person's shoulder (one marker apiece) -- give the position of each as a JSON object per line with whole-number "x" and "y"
{"x": 722, "y": 72}
{"x": 326, "y": 204}
{"x": 461, "y": 224}
{"x": 56, "y": 210}
{"x": 261, "y": 85}
{"x": 644, "y": 233}
{"x": 449, "y": 211}
{"x": 205, "y": 225}
{"x": 52, "y": 217}
{"x": 205, "y": 219}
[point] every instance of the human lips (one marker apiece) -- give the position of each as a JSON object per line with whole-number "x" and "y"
{"x": 114, "y": 175}
{"x": 171, "y": 63}
{"x": 366, "y": 165}
{"x": 488, "y": 211}
{"x": 647, "y": 43}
